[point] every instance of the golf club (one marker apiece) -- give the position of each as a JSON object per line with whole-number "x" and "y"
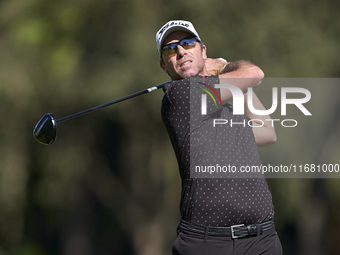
{"x": 45, "y": 132}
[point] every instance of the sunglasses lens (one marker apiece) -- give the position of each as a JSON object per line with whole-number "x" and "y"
{"x": 171, "y": 49}
{"x": 188, "y": 43}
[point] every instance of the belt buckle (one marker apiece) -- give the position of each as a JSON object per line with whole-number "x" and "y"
{"x": 233, "y": 231}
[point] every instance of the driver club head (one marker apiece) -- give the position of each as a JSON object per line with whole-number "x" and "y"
{"x": 45, "y": 131}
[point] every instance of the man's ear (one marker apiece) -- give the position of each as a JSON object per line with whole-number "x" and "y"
{"x": 161, "y": 63}
{"x": 204, "y": 52}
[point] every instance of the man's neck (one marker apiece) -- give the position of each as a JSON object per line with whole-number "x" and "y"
{"x": 204, "y": 72}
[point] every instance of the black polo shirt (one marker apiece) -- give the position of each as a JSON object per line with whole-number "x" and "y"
{"x": 232, "y": 200}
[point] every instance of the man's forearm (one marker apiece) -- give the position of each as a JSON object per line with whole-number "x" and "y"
{"x": 241, "y": 69}
{"x": 263, "y": 129}
{"x": 231, "y": 66}
{"x": 242, "y": 74}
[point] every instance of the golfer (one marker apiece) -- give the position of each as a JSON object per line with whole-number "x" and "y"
{"x": 218, "y": 215}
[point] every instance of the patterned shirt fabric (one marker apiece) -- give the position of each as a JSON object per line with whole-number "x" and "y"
{"x": 215, "y": 200}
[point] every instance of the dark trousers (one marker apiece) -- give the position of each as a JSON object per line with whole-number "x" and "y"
{"x": 188, "y": 243}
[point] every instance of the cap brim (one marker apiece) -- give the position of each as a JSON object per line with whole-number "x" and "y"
{"x": 175, "y": 29}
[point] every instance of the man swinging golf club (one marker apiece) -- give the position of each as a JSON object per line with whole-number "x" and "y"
{"x": 218, "y": 215}
{"x": 222, "y": 215}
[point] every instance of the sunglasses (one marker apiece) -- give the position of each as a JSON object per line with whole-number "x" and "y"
{"x": 187, "y": 43}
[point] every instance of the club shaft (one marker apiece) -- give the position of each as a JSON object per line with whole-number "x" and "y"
{"x": 113, "y": 102}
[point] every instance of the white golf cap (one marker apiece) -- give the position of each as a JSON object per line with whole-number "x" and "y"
{"x": 172, "y": 26}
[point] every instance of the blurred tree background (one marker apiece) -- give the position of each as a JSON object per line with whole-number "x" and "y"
{"x": 110, "y": 183}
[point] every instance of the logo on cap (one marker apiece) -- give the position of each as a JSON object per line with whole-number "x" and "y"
{"x": 170, "y": 24}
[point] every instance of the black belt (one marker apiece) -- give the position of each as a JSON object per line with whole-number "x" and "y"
{"x": 236, "y": 231}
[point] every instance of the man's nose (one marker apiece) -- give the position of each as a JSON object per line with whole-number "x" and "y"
{"x": 180, "y": 50}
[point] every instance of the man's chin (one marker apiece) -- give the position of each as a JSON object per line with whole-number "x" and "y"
{"x": 181, "y": 75}
{"x": 188, "y": 74}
